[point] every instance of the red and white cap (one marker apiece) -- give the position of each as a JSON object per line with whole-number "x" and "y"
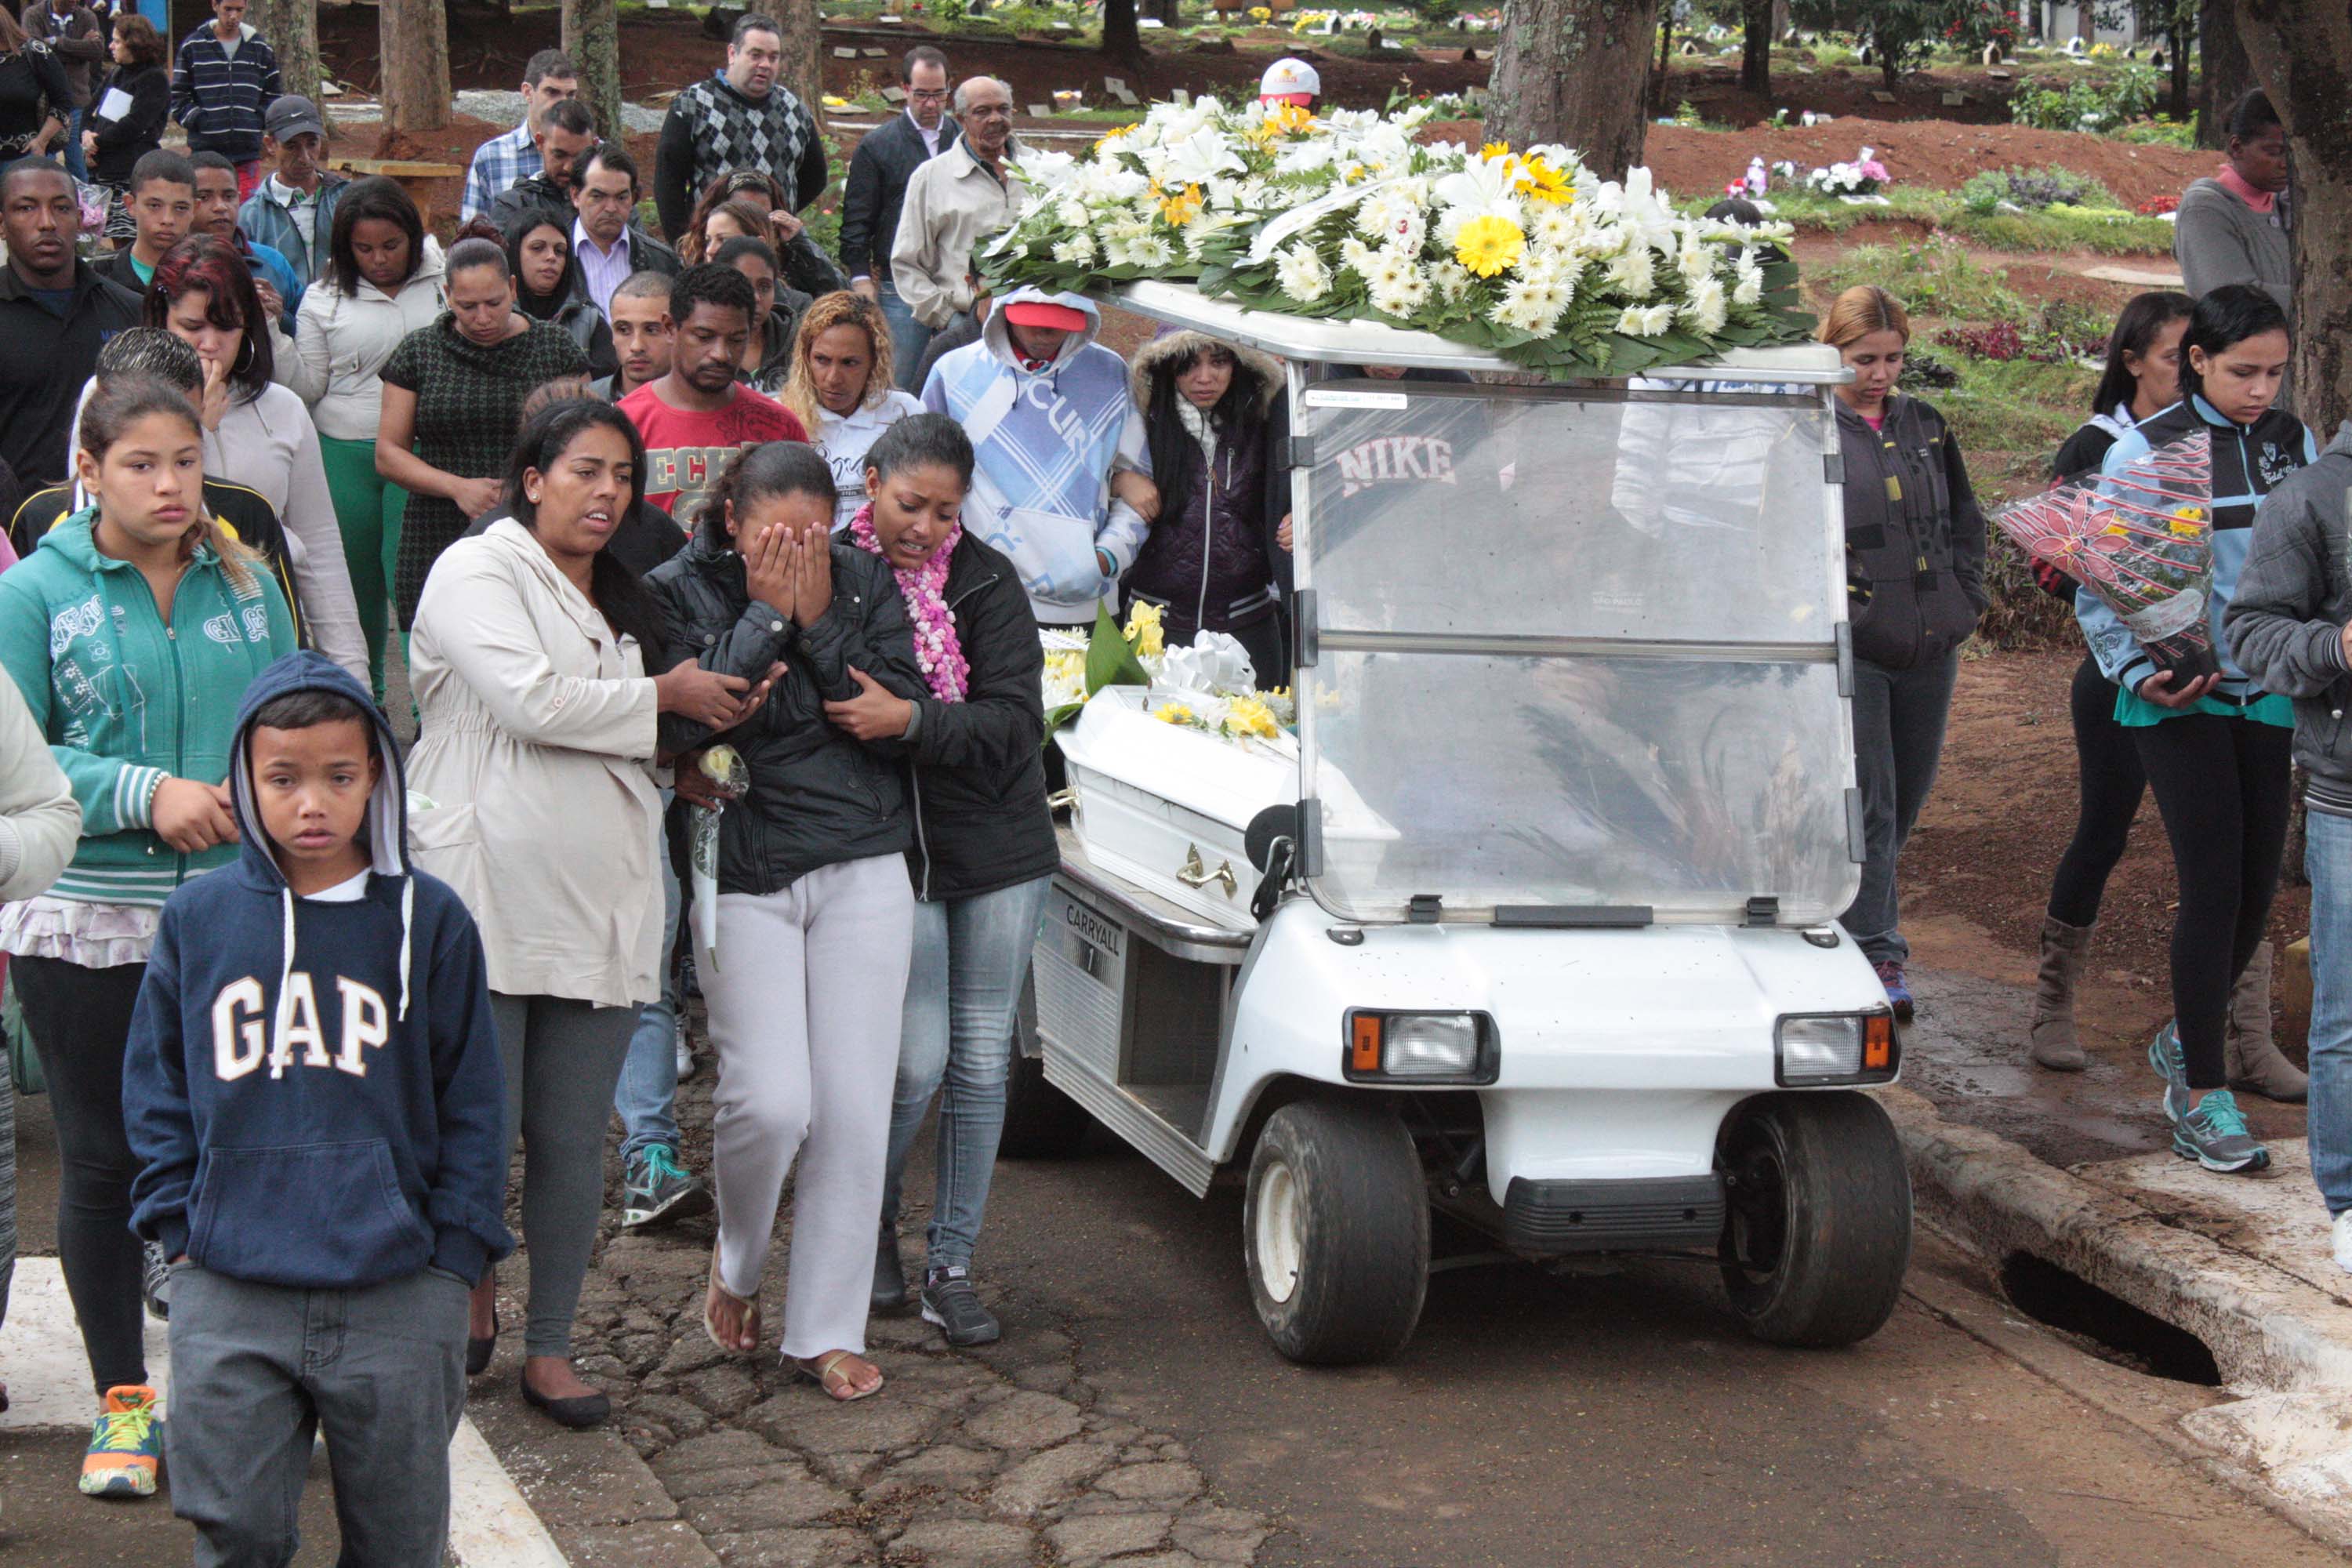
{"x": 1290, "y": 81}
{"x": 1044, "y": 313}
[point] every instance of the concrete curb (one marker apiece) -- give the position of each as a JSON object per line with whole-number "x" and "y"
{"x": 2283, "y": 1348}
{"x": 2268, "y": 1330}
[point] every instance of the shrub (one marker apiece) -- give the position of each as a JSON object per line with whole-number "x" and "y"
{"x": 2033, "y": 189}
{"x": 2105, "y": 104}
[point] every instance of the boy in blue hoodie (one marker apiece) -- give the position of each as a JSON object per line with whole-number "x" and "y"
{"x": 313, "y": 1088}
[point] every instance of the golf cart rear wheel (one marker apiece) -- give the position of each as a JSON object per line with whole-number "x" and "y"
{"x": 1041, "y": 1122}
{"x": 1817, "y": 1225}
{"x": 1336, "y": 1232}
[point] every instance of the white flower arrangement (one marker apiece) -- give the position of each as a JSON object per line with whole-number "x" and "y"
{"x": 1851, "y": 181}
{"x": 1528, "y": 254}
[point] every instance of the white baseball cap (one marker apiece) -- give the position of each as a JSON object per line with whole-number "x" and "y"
{"x": 1290, "y": 81}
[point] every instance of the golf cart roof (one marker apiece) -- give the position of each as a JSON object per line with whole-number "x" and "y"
{"x": 1368, "y": 343}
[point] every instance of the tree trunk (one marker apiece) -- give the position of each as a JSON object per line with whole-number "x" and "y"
{"x": 1167, "y": 13}
{"x": 1571, "y": 71}
{"x": 2223, "y": 74}
{"x": 292, "y": 28}
{"x": 1755, "y": 47}
{"x": 2296, "y": 48}
{"x": 2183, "y": 37}
{"x": 414, "y": 42}
{"x": 592, "y": 36}
{"x": 804, "y": 46}
{"x": 1121, "y": 39}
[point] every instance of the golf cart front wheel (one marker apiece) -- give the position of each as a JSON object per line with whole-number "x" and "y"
{"x": 1336, "y": 1232}
{"x": 1817, "y": 1223}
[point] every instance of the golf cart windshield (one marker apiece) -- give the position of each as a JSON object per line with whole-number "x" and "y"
{"x": 1575, "y": 651}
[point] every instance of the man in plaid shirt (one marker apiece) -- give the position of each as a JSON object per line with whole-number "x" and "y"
{"x": 502, "y": 161}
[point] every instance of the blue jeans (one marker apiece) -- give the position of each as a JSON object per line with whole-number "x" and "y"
{"x": 2327, "y": 856}
{"x": 74, "y": 164}
{"x": 909, "y": 338}
{"x": 962, "y": 990}
{"x": 645, "y": 1097}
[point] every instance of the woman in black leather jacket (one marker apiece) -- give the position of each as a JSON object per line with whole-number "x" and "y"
{"x": 816, "y": 913}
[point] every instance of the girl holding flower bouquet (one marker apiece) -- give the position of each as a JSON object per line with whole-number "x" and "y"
{"x": 2215, "y": 746}
{"x": 1914, "y": 529}
{"x": 985, "y": 852}
{"x": 814, "y": 909}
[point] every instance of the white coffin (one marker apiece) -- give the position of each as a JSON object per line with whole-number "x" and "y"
{"x": 1166, "y": 806}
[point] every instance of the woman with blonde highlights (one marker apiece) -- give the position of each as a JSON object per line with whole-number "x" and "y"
{"x": 1913, "y": 525}
{"x": 840, "y": 386}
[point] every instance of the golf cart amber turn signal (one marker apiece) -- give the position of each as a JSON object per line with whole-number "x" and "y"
{"x": 1364, "y": 1043}
{"x": 1832, "y": 1048}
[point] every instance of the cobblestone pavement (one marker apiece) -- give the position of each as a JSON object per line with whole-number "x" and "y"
{"x": 1001, "y": 1458}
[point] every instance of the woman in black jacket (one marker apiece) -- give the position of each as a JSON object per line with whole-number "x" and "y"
{"x": 984, "y": 850}
{"x": 1913, "y": 527}
{"x": 814, "y": 909}
{"x": 538, "y": 253}
{"x": 118, "y": 131}
{"x": 1209, "y": 561}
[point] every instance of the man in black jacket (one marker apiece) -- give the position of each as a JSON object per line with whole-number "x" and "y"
{"x": 611, "y": 248}
{"x": 55, "y": 312}
{"x": 876, "y": 189}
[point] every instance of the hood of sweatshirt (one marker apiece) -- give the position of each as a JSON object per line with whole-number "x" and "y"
{"x": 386, "y": 825}
{"x": 997, "y": 331}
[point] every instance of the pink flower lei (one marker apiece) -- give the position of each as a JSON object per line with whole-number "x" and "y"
{"x": 937, "y": 647}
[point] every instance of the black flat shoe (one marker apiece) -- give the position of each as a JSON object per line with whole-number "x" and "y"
{"x": 478, "y": 1351}
{"x": 580, "y": 1411}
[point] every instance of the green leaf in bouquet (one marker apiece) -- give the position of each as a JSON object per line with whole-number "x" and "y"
{"x": 1059, "y": 715}
{"x": 1109, "y": 661}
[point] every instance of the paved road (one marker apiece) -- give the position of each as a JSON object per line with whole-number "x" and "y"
{"x": 1601, "y": 1419}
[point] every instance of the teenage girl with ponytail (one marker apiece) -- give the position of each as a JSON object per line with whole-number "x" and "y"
{"x": 133, "y": 633}
{"x": 2216, "y": 746}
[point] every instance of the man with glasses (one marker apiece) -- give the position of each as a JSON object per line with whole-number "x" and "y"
{"x": 604, "y": 235}
{"x": 953, "y": 204}
{"x": 876, "y": 191}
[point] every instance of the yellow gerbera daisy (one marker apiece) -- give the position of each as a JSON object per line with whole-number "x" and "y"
{"x": 1494, "y": 150}
{"x": 1543, "y": 182}
{"x": 1489, "y": 246}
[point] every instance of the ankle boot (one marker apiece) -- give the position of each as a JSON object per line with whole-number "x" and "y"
{"x": 2253, "y": 1060}
{"x": 2051, "y": 1033}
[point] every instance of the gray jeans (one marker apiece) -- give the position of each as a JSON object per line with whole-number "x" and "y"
{"x": 562, "y": 1061}
{"x": 1898, "y": 739}
{"x": 257, "y": 1369}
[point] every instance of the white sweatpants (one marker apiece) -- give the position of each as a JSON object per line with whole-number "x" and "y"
{"x": 804, "y": 1010}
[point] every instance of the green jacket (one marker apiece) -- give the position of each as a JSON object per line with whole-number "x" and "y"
{"x": 126, "y": 700}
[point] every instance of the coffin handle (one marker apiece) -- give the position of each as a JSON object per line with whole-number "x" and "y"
{"x": 1193, "y": 874}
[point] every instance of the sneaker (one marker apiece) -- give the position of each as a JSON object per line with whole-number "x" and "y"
{"x": 155, "y": 1282}
{"x": 126, "y": 1446}
{"x": 2171, "y": 1064}
{"x": 950, "y": 1301}
{"x": 2343, "y": 1238}
{"x": 685, "y": 1051}
{"x": 1898, "y": 990}
{"x": 2213, "y": 1133}
{"x": 659, "y": 1189}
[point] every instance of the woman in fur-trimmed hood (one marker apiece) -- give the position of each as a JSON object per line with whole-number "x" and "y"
{"x": 1212, "y": 561}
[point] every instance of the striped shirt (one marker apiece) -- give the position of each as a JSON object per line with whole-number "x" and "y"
{"x": 219, "y": 95}
{"x": 498, "y": 163}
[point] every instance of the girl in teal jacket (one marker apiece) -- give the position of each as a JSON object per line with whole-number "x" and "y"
{"x": 133, "y": 633}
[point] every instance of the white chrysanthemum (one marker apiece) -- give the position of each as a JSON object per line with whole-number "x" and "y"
{"x": 1115, "y": 252}
{"x": 1452, "y": 280}
{"x": 1077, "y": 250}
{"x": 1706, "y": 309}
{"x": 1355, "y": 254}
{"x": 1526, "y": 309}
{"x": 1301, "y": 273}
{"x": 1750, "y": 287}
{"x": 1559, "y": 224}
{"x": 1150, "y": 250}
{"x": 1695, "y": 260}
{"x": 1645, "y": 322}
{"x": 1633, "y": 272}
{"x": 1041, "y": 170}
{"x": 1071, "y": 212}
{"x": 1402, "y": 294}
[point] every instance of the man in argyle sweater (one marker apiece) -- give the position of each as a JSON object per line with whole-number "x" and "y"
{"x": 740, "y": 118}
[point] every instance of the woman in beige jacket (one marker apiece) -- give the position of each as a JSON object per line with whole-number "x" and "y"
{"x": 535, "y": 757}
{"x": 39, "y": 824}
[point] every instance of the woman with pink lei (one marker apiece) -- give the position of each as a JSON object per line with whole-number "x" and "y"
{"x": 984, "y": 851}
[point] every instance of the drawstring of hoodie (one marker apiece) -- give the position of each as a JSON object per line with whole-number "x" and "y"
{"x": 278, "y": 1054}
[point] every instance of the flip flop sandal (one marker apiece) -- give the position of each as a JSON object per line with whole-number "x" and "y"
{"x": 711, "y": 1324}
{"x": 824, "y": 1371}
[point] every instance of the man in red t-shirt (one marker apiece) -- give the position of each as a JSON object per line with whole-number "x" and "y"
{"x": 697, "y": 417}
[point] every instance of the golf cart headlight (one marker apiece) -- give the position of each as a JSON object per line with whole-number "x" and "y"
{"x": 1421, "y": 1047}
{"x": 1835, "y": 1047}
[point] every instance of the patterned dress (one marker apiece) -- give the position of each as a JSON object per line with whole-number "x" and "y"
{"x": 468, "y": 412}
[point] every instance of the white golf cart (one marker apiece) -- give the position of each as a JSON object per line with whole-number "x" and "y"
{"x": 1533, "y": 923}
